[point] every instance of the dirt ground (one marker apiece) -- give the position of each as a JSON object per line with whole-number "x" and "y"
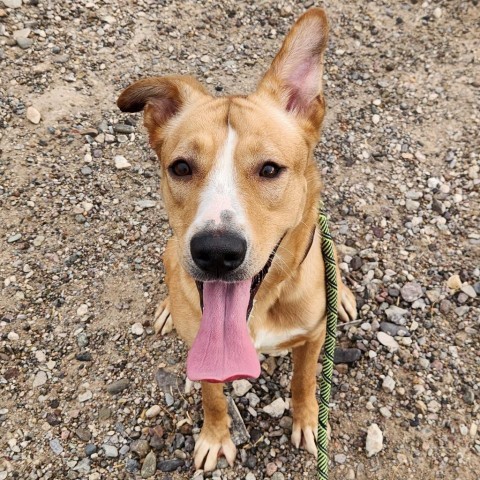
{"x": 81, "y": 240}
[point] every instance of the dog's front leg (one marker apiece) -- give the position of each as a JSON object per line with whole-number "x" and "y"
{"x": 304, "y": 402}
{"x": 215, "y": 435}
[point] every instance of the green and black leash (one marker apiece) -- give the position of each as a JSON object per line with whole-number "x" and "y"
{"x": 329, "y": 349}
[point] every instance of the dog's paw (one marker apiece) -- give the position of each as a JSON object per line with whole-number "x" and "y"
{"x": 304, "y": 428}
{"x": 212, "y": 443}
{"x": 163, "y": 322}
{"x": 305, "y": 435}
{"x": 347, "y": 308}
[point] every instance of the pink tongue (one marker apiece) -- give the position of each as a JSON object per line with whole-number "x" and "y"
{"x": 222, "y": 350}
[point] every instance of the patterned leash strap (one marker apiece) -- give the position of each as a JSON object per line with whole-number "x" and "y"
{"x": 327, "y": 366}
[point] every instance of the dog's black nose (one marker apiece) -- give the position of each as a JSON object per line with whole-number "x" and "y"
{"x": 218, "y": 253}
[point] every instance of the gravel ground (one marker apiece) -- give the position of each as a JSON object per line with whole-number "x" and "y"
{"x": 87, "y": 390}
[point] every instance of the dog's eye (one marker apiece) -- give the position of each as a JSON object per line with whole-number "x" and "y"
{"x": 270, "y": 170}
{"x": 180, "y": 168}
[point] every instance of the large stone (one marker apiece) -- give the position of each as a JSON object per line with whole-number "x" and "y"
{"x": 374, "y": 443}
{"x": 241, "y": 387}
{"x": 12, "y": 3}
{"x": 240, "y": 434}
{"x": 346, "y": 355}
{"x": 118, "y": 386}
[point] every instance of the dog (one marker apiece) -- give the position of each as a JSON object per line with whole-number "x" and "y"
{"x": 244, "y": 267}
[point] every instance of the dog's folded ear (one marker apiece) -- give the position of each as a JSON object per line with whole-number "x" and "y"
{"x": 161, "y": 98}
{"x": 294, "y": 80}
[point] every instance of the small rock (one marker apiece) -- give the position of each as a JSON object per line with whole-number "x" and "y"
{"x": 469, "y": 290}
{"x": 140, "y": 448}
{"x": 90, "y": 449}
{"x": 168, "y": 381}
{"x": 454, "y": 282}
{"x": 143, "y": 204}
{"x": 396, "y": 314}
{"x": 14, "y": 238}
{"x": 38, "y": 240}
{"x": 33, "y": 115}
{"x": 445, "y": 306}
{"x": 469, "y": 396}
{"x": 411, "y": 291}
{"x": 56, "y": 446}
{"x": 240, "y": 434}
{"x": 121, "y": 163}
{"x": 13, "y": 336}
{"x": 393, "y": 330}
{"x": 374, "y": 443}
{"x": 434, "y": 406}
{"x": 137, "y": 329}
{"x": 375, "y": 119}
{"x": 110, "y": 451}
{"x": 40, "y": 379}
{"x": 388, "y": 341}
{"x": 12, "y": 3}
{"x": 25, "y": 44}
{"x": 118, "y": 386}
{"x": 123, "y": 128}
{"x": 241, "y": 387}
{"x": 85, "y": 396}
{"x": 149, "y": 466}
{"x": 276, "y": 409}
{"x": 437, "y": 13}
{"x": 82, "y": 310}
{"x": 153, "y": 411}
{"x": 346, "y": 355}
{"x": 83, "y": 434}
{"x": 340, "y": 458}
{"x": 388, "y": 384}
{"x": 170, "y": 465}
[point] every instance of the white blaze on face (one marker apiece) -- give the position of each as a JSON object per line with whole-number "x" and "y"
{"x": 220, "y": 194}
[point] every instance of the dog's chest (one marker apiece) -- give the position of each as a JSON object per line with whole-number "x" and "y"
{"x": 268, "y": 341}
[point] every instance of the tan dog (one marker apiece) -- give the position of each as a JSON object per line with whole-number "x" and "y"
{"x": 241, "y": 188}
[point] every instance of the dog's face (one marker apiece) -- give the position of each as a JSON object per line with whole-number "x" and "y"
{"x": 235, "y": 170}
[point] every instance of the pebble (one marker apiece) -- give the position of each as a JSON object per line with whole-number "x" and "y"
{"x": 170, "y": 465}
{"x": 137, "y": 329}
{"x": 40, "y": 379}
{"x": 375, "y": 119}
{"x": 90, "y": 449}
{"x": 85, "y": 396}
{"x": 56, "y": 446}
{"x": 411, "y": 291}
{"x": 433, "y": 406}
{"x": 13, "y": 336}
{"x": 239, "y": 431}
{"x": 121, "y": 163}
{"x": 149, "y": 465}
{"x": 33, "y": 115}
{"x": 469, "y": 290}
{"x": 275, "y": 409}
{"x": 14, "y": 238}
{"x": 396, "y": 314}
{"x": 118, "y": 386}
{"x": 388, "y": 341}
{"x": 110, "y": 451}
{"x": 83, "y": 434}
{"x": 454, "y": 282}
{"x": 374, "y": 442}
{"x": 143, "y": 204}
{"x": 392, "y": 329}
{"x": 153, "y": 411}
{"x": 346, "y": 355}
{"x": 388, "y": 384}
{"x": 25, "y": 44}
{"x": 340, "y": 458}
{"x": 82, "y": 310}
{"x": 241, "y": 387}
{"x": 12, "y": 3}
{"x": 140, "y": 447}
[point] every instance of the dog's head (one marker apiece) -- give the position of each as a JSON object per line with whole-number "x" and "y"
{"x": 235, "y": 170}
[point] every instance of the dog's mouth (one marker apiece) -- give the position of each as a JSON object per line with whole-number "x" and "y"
{"x": 255, "y": 285}
{"x": 223, "y": 350}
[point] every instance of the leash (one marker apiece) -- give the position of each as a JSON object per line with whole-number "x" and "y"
{"x": 329, "y": 349}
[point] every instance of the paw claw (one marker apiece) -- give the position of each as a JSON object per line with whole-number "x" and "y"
{"x": 163, "y": 322}
{"x": 210, "y": 445}
{"x": 347, "y": 308}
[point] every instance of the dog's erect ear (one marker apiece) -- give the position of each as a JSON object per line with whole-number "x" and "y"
{"x": 294, "y": 79}
{"x": 161, "y": 98}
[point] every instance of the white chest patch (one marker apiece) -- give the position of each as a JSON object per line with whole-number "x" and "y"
{"x": 268, "y": 341}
